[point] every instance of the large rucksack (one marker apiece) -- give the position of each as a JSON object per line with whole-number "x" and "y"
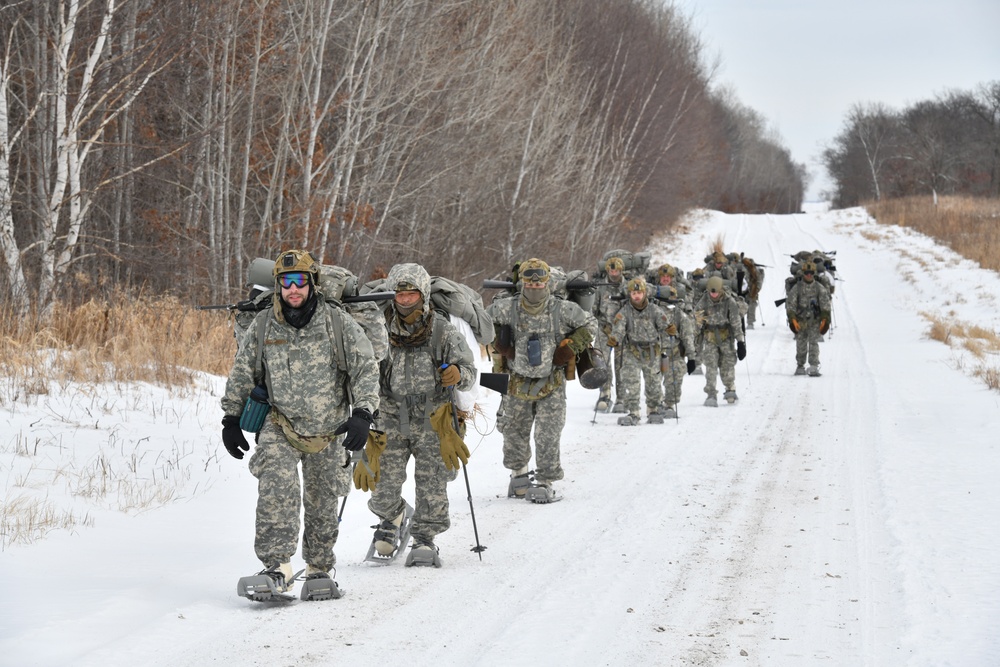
{"x": 636, "y": 263}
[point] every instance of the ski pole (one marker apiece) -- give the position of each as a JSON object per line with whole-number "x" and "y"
{"x": 761, "y": 311}
{"x": 479, "y": 548}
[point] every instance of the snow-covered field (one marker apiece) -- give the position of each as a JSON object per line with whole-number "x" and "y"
{"x": 851, "y": 519}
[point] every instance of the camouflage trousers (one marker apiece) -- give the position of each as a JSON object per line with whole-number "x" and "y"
{"x": 614, "y": 360}
{"x": 719, "y": 358}
{"x": 673, "y": 378}
{"x": 751, "y": 312}
{"x": 807, "y": 344}
{"x": 548, "y": 416}
{"x": 430, "y": 476}
{"x": 638, "y": 369}
{"x": 280, "y": 499}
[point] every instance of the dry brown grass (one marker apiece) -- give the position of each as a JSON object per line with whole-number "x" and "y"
{"x": 968, "y": 225}
{"x": 126, "y": 339}
{"x": 980, "y": 343}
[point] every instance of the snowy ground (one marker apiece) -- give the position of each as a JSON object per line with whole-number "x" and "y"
{"x": 850, "y": 519}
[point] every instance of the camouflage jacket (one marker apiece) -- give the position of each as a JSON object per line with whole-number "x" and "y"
{"x": 605, "y": 307}
{"x": 408, "y": 373}
{"x": 720, "y": 319}
{"x": 558, "y": 320}
{"x": 304, "y": 381}
{"x": 807, "y": 300}
{"x": 678, "y": 339}
{"x": 639, "y": 328}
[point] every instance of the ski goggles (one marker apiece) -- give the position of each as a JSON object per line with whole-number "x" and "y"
{"x": 300, "y": 280}
{"x": 809, "y": 273}
{"x": 535, "y": 275}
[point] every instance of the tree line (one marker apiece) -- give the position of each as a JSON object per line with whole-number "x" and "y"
{"x": 165, "y": 145}
{"x": 947, "y": 145}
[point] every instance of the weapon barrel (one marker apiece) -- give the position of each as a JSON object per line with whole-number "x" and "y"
{"x": 497, "y": 284}
{"x": 223, "y": 306}
{"x": 373, "y": 296}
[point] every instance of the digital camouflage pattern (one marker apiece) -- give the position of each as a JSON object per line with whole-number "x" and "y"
{"x": 410, "y": 390}
{"x": 307, "y": 387}
{"x": 677, "y": 342}
{"x": 638, "y": 333}
{"x": 537, "y": 394}
{"x": 719, "y": 331}
{"x": 605, "y": 309}
{"x": 808, "y": 302}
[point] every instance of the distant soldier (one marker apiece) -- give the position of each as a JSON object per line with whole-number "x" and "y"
{"x": 808, "y": 312}
{"x": 677, "y": 342}
{"x": 754, "y": 282}
{"x": 635, "y": 334}
{"x": 607, "y": 301}
{"x": 720, "y": 326}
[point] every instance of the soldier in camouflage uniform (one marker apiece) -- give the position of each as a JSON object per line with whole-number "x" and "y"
{"x": 428, "y": 357}
{"x": 310, "y": 393}
{"x": 635, "y": 334}
{"x": 718, "y": 315}
{"x": 545, "y": 334}
{"x": 808, "y": 312}
{"x": 676, "y": 342}
{"x": 606, "y": 305}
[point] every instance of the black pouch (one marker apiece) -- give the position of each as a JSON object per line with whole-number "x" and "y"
{"x": 534, "y": 351}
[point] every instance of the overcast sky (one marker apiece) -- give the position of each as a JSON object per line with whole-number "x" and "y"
{"x": 803, "y": 63}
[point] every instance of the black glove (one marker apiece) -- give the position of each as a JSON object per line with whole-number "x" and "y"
{"x": 741, "y": 350}
{"x": 692, "y": 364}
{"x": 233, "y": 438}
{"x": 356, "y": 427}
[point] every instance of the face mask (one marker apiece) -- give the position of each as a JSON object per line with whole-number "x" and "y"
{"x": 535, "y": 295}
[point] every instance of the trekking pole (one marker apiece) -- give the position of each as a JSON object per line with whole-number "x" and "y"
{"x": 675, "y": 388}
{"x": 761, "y": 311}
{"x": 479, "y": 549}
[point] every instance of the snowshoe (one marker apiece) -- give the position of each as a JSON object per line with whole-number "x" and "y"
{"x": 711, "y": 402}
{"x": 542, "y": 494}
{"x": 654, "y": 418}
{"x": 269, "y": 585}
{"x": 423, "y": 553}
{"x": 388, "y": 532}
{"x": 814, "y": 371}
{"x": 619, "y": 408}
{"x": 628, "y": 420}
{"x": 319, "y": 586}
{"x": 800, "y": 370}
{"x": 520, "y": 483}
{"x": 670, "y": 413}
{"x": 730, "y": 396}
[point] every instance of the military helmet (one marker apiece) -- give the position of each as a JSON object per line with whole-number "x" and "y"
{"x": 534, "y": 272}
{"x": 637, "y": 284}
{"x": 296, "y": 261}
{"x": 615, "y": 264}
{"x": 808, "y": 267}
{"x": 714, "y": 284}
{"x": 666, "y": 270}
{"x": 720, "y": 257}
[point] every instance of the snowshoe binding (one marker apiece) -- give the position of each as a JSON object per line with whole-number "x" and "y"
{"x": 710, "y": 402}
{"x": 730, "y": 396}
{"x": 814, "y": 371}
{"x": 619, "y": 408}
{"x": 390, "y": 538}
{"x": 423, "y": 553}
{"x": 670, "y": 413}
{"x": 520, "y": 481}
{"x": 542, "y": 493}
{"x": 800, "y": 370}
{"x": 628, "y": 420}
{"x": 269, "y": 585}
{"x": 654, "y": 418}
{"x": 318, "y": 585}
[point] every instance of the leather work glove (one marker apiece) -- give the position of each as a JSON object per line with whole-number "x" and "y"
{"x": 233, "y": 438}
{"x": 691, "y": 365}
{"x": 356, "y": 427}
{"x": 741, "y": 350}
{"x": 450, "y": 375}
{"x": 563, "y": 354}
{"x": 454, "y": 453}
{"x": 793, "y": 324}
{"x": 367, "y": 475}
{"x": 672, "y": 329}
{"x": 824, "y": 322}
{"x": 612, "y": 341}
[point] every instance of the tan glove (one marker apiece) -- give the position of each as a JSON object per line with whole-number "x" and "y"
{"x": 450, "y": 376}
{"x": 824, "y": 322}
{"x": 367, "y": 475}
{"x": 612, "y": 341}
{"x": 453, "y": 449}
{"x": 793, "y": 324}
{"x": 672, "y": 329}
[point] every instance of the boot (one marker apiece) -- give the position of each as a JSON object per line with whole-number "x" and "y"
{"x": 670, "y": 412}
{"x": 387, "y": 536}
{"x": 423, "y": 553}
{"x": 520, "y": 480}
{"x": 730, "y": 396}
{"x": 711, "y": 402}
{"x": 814, "y": 371}
{"x": 800, "y": 370}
